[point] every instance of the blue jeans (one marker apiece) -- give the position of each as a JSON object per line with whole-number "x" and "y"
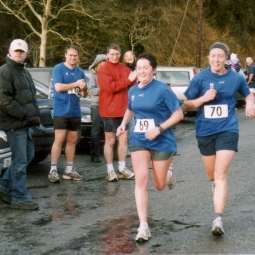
{"x": 95, "y": 132}
{"x": 13, "y": 181}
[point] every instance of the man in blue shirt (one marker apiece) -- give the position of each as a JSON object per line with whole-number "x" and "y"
{"x": 68, "y": 83}
{"x": 213, "y": 92}
{"x": 251, "y": 74}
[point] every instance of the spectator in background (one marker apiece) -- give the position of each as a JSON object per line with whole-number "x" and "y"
{"x": 68, "y": 84}
{"x": 114, "y": 79}
{"x": 251, "y": 74}
{"x": 18, "y": 112}
{"x": 234, "y": 63}
{"x": 129, "y": 60}
{"x": 95, "y": 116}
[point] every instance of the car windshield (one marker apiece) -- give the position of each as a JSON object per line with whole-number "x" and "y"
{"x": 42, "y": 75}
{"x": 174, "y": 78}
{"x": 41, "y": 90}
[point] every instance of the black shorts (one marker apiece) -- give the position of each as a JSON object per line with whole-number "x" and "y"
{"x": 67, "y": 123}
{"x": 208, "y": 145}
{"x": 155, "y": 155}
{"x": 111, "y": 124}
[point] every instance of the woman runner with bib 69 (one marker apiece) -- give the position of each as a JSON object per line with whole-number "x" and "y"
{"x": 156, "y": 110}
{"x": 213, "y": 93}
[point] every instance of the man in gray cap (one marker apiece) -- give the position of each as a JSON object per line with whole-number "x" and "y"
{"x": 18, "y": 112}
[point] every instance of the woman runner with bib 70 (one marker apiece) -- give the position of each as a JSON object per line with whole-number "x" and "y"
{"x": 213, "y": 93}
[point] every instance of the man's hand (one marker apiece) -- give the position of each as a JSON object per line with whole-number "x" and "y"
{"x": 81, "y": 84}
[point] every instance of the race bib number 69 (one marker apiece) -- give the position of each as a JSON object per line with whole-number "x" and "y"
{"x": 143, "y": 125}
{"x": 216, "y": 111}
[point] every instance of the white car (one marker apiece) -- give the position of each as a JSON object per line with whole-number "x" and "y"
{"x": 178, "y": 78}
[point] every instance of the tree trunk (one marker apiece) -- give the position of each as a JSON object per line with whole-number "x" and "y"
{"x": 43, "y": 45}
{"x": 43, "y": 48}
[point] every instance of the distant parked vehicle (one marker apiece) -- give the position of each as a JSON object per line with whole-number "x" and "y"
{"x": 43, "y": 136}
{"x": 41, "y": 74}
{"x": 44, "y": 75}
{"x": 5, "y": 152}
{"x": 178, "y": 78}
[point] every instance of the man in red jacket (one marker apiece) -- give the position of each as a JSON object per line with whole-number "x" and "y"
{"x": 114, "y": 79}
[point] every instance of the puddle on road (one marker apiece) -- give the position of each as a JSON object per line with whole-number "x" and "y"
{"x": 117, "y": 236}
{"x": 187, "y": 225}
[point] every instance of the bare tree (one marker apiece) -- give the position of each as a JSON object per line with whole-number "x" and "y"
{"x": 41, "y": 17}
{"x": 139, "y": 29}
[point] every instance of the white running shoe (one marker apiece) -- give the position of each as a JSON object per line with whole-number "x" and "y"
{"x": 53, "y": 176}
{"x": 73, "y": 175}
{"x": 172, "y": 181}
{"x": 217, "y": 226}
{"x": 111, "y": 176}
{"x": 143, "y": 234}
{"x": 125, "y": 174}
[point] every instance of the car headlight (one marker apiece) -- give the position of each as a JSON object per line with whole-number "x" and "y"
{"x": 86, "y": 119}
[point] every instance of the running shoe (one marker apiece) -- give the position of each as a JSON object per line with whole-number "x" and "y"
{"x": 111, "y": 176}
{"x": 125, "y": 174}
{"x": 143, "y": 234}
{"x": 172, "y": 181}
{"x": 171, "y": 167}
{"x": 53, "y": 176}
{"x": 217, "y": 226}
{"x": 73, "y": 175}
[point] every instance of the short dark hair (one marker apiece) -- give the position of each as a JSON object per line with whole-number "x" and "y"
{"x": 150, "y": 58}
{"x": 71, "y": 46}
{"x": 113, "y": 46}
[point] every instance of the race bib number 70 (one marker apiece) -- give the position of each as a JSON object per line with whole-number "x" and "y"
{"x": 216, "y": 111}
{"x": 143, "y": 125}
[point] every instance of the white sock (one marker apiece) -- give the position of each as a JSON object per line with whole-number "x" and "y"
{"x": 109, "y": 167}
{"x": 69, "y": 167}
{"x": 144, "y": 225}
{"x": 122, "y": 165}
{"x": 53, "y": 166}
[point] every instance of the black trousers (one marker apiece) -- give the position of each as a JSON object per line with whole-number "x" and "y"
{"x": 95, "y": 132}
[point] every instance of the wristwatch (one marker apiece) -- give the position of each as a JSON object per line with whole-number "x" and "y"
{"x": 160, "y": 128}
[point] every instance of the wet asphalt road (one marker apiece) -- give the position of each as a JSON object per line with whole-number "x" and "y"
{"x": 97, "y": 217}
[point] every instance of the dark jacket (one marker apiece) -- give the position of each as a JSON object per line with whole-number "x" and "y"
{"x": 18, "y": 107}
